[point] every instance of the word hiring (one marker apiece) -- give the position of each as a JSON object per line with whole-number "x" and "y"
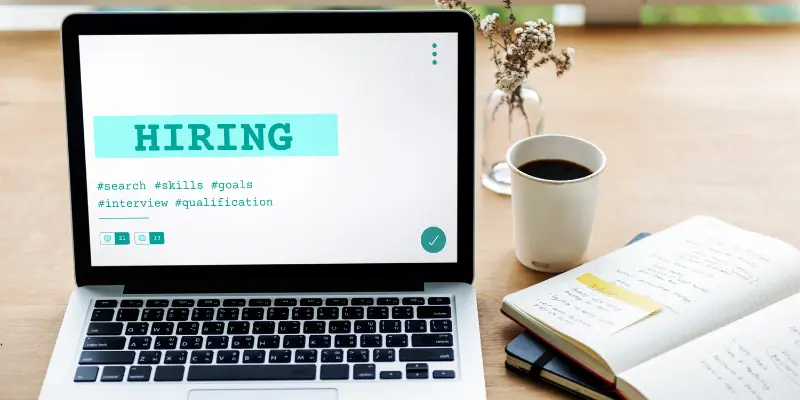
{"x": 252, "y": 137}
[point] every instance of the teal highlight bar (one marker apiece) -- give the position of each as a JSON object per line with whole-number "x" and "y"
{"x": 197, "y": 136}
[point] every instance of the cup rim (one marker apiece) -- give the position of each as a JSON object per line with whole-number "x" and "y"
{"x": 516, "y": 170}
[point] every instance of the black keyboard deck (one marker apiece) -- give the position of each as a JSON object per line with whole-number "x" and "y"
{"x": 238, "y": 339}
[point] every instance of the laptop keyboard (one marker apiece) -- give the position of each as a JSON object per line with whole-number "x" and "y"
{"x": 238, "y": 339}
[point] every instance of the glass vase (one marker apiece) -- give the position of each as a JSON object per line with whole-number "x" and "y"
{"x": 508, "y": 117}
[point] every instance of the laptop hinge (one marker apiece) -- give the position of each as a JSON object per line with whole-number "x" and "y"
{"x": 388, "y": 285}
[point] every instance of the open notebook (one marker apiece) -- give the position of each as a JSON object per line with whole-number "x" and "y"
{"x": 701, "y": 310}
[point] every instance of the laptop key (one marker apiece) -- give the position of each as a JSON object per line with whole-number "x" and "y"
{"x": 311, "y": 302}
{"x": 339, "y": 327}
{"x": 441, "y": 325}
{"x": 137, "y": 328}
{"x": 234, "y": 303}
{"x": 238, "y": 327}
{"x": 417, "y": 371}
{"x": 416, "y": 325}
{"x": 86, "y": 374}
{"x": 188, "y": 328}
{"x": 182, "y": 303}
{"x": 242, "y": 342}
{"x": 104, "y": 329}
{"x": 253, "y": 313}
{"x": 175, "y": 357}
{"x": 294, "y": 341}
{"x": 152, "y": 314}
{"x": 365, "y": 326}
{"x": 303, "y": 313}
{"x": 368, "y": 340}
{"x": 228, "y": 357}
{"x": 139, "y": 343}
{"x": 208, "y": 303}
{"x": 328, "y": 313}
{"x": 314, "y": 327}
{"x": 177, "y": 314}
{"x": 103, "y": 314}
{"x": 132, "y": 303}
{"x": 388, "y": 301}
{"x": 305, "y": 356}
{"x": 201, "y": 357}
{"x": 149, "y": 357}
{"x": 431, "y": 340}
{"x": 390, "y": 326}
{"x": 269, "y": 342}
{"x": 353, "y": 313}
{"x": 285, "y": 327}
{"x": 157, "y": 303}
{"x": 162, "y": 328}
{"x": 254, "y": 356}
{"x": 362, "y": 301}
{"x": 259, "y": 302}
{"x": 166, "y": 343}
{"x": 128, "y": 314}
{"x": 364, "y": 371}
{"x": 227, "y": 314}
{"x": 378, "y": 312}
{"x": 286, "y": 302}
{"x": 213, "y": 328}
{"x": 139, "y": 373}
{"x": 433, "y": 312}
{"x": 319, "y": 341}
{"x": 397, "y": 340}
{"x": 104, "y": 343}
{"x": 263, "y": 327}
{"x": 280, "y": 356}
{"x": 402, "y": 312}
{"x": 344, "y": 341}
{"x": 336, "y": 302}
{"x": 278, "y": 313}
{"x": 413, "y": 301}
{"x": 391, "y": 375}
{"x": 357, "y": 355}
{"x": 438, "y": 301}
{"x": 105, "y": 304}
{"x": 426, "y": 354}
{"x": 332, "y": 356}
{"x": 191, "y": 342}
{"x": 334, "y": 371}
{"x": 202, "y": 314}
{"x": 216, "y": 342}
{"x": 383, "y": 355}
{"x": 173, "y": 373}
{"x": 112, "y": 374}
{"x": 444, "y": 374}
{"x": 104, "y": 357}
{"x": 252, "y": 372}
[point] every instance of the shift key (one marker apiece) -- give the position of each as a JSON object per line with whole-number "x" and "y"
{"x": 426, "y": 354}
{"x": 104, "y": 357}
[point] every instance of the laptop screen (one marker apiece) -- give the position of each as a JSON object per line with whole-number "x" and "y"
{"x": 271, "y": 149}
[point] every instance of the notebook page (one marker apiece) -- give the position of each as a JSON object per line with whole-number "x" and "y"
{"x": 755, "y": 358}
{"x": 704, "y": 272}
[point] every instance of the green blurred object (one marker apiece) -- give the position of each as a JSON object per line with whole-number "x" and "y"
{"x": 650, "y": 14}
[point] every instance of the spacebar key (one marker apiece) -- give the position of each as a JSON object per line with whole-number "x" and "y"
{"x": 252, "y": 372}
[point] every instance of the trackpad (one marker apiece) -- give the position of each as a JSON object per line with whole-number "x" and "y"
{"x": 264, "y": 394}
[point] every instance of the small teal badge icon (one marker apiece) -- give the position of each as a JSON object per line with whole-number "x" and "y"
{"x": 433, "y": 239}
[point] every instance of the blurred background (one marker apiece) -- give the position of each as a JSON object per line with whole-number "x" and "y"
{"x": 31, "y": 15}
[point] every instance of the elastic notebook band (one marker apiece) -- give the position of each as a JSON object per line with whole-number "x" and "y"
{"x": 538, "y": 365}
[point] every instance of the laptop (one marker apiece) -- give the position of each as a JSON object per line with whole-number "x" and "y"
{"x": 270, "y": 205}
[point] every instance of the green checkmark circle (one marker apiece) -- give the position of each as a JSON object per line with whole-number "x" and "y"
{"x": 433, "y": 239}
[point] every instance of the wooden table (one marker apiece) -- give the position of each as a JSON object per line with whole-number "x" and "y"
{"x": 692, "y": 120}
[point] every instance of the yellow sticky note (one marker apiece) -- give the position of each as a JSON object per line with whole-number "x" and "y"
{"x": 619, "y": 293}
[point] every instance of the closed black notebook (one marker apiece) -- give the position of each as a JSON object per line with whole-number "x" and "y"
{"x": 532, "y": 357}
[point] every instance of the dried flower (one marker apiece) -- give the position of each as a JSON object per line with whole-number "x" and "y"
{"x": 516, "y": 49}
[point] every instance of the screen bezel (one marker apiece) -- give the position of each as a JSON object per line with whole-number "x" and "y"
{"x": 280, "y": 22}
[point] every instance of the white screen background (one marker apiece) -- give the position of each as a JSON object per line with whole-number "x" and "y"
{"x": 395, "y": 174}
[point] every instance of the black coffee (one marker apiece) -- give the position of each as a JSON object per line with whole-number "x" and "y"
{"x": 555, "y": 170}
